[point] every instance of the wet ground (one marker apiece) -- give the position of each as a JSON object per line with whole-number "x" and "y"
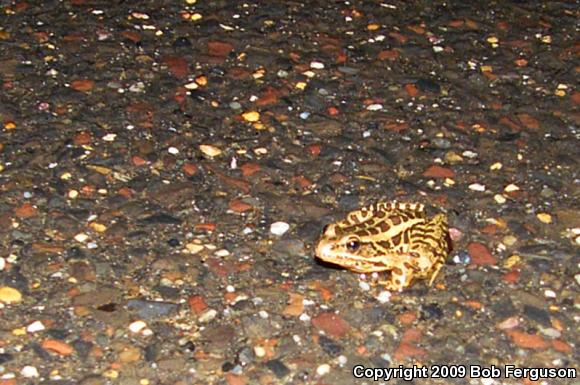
{"x": 167, "y": 166}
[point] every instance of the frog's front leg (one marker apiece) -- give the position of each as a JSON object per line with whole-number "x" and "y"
{"x": 402, "y": 270}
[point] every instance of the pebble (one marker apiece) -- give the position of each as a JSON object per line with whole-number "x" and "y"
{"x": 110, "y": 137}
{"x": 235, "y": 105}
{"x": 384, "y": 296}
{"x": 251, "y": 116}
{"x": 544, "y": 218}
{"x": 222, "y": 253}
{"x": 511, "y": 188}
{"x": 10, "y": 295}
{"x": 499, "y": 198}
{"x": 477, "y": 187}
{"x": 137, "y": 326}
{"x": 364, "y": 286}
{"x": 323, "y": 370}
{"x": 279, "y": 228}
{"x": 194, "y": 248}
{"x": 81, "y": 237}
{"x": 316, "y": 65}
{"x": 2, "y": 263}
{"x": 29, "y": 371}
{"x": 259, "y": 351}
{"x": 151, "y": 309}
{"x": 207, "y": 316}
{"x": 36, "y": 326}
{"x": 192, "y": 86}
{"x": 209, "y": 150}
{"x": 375, "y": 107}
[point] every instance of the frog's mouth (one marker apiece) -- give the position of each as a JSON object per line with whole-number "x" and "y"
{"x": 352, "y": 262}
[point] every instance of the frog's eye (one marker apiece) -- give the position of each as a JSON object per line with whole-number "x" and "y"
{"x": 353, "y": 245}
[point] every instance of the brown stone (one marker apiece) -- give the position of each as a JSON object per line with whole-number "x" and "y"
{"x": 438, "y": 172}
{"x": 388, "y": 54}
{"x": 526, "y": 340}
{"x": 58, "y": 347}
{"x": 189, "y": 169}
{"x": 219, "y": 48}
{"x": 25, "y": 211}
{"x": 407, "y": 318}
{"x": 197, "y": 304}
{"x": 177, "y": 66}
{"x": 529, "y": 121}
{"x": 82, "y": 138}
{"x": 411, "y": 90}
{"x": 249, "y": 169}
{"x": 331, "y": 323}
{"x": 233, "y": 379}
{"x": 480, "y": 254}
{"x": 314, "y": 149}
{"x": 131, "y": 35}
{"x": 82, "y": 85}
{"x": 562, "y": 346}
{"x": 239, "y": 206}
{"x": 407, "y": 350}
{"x": 295, "y": 306}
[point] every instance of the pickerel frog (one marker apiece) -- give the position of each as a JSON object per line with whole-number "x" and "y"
{"x": 388, "y": 236}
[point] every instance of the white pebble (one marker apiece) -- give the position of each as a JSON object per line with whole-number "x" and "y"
{"x": 230, "y": 289}
{"x": 342, "y": 360}
{"x": 316, "y": 65}
{"x": 511, "y": 188}
{"x": 323, "y": 369}
{"x": 304, "y": 317}
{"x": 81, "y": 237}
{"x": 173, "y": 150}
{"x": 208, "y": 315}
{"x": 307, "y": 302}
{"x": 222, "y": 253}
{"x": 384, "y": 296}
{"x": 469, "y": 154}
{"x": 137, "y": 326}
{"x": 499, "y": 199}
{"x": 29, "y": 371}
{"x": 259, "y": 351}
{"x": 375, "y": 107}
{"x": 487, "y": 381}
{"x": 263, "y": 314}
{"x": 36, "y": 326}
{"x": 2, "y": 263}
{"x": 477, "y": 187}
{"x": 364, "y": 286}
{"x": 110, "y": 137}
{"x": 279, "y": 228}
{"x": 550, "y": 293}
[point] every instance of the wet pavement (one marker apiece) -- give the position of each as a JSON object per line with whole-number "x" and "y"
{"x": 167, "y": 166}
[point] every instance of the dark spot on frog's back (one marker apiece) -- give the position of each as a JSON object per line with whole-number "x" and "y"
{"x": 384, "y": 226}
{"x": 396, "y": 240}
{"x": 396, "y": 220}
